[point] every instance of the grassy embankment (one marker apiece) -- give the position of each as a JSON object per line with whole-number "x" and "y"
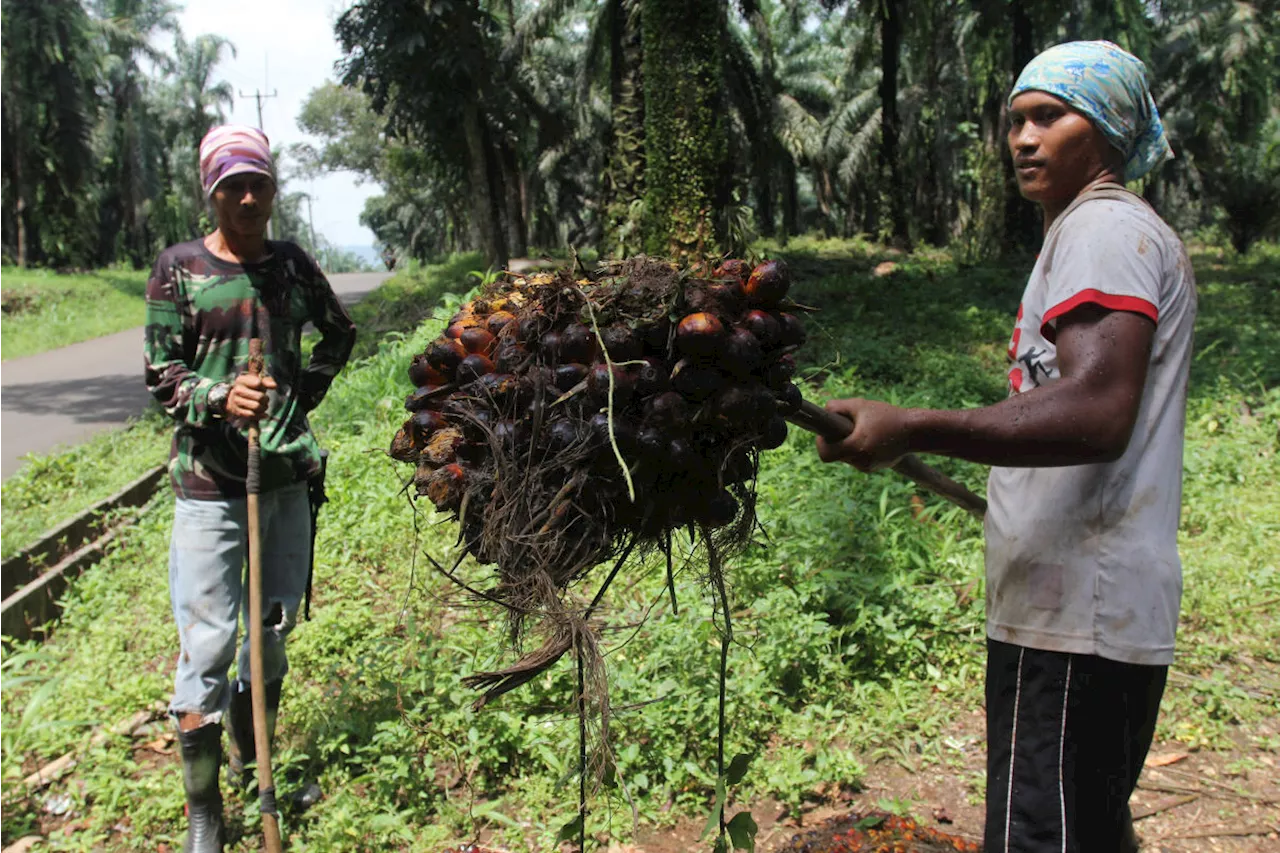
{"x": 44, "y": 310}
{"x": 860, "y": 622}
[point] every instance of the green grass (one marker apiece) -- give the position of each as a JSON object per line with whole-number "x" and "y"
{"x": 403, "y": 301}
{"x": 49, "y": 490}
{"x": 44, "y": 310}
{"x": 859, "y": 624}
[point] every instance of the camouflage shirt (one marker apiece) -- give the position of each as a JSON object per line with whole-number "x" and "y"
{"x": 201, "y": 313}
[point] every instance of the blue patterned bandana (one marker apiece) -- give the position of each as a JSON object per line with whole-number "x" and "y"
{"x": 1109, "y": 86}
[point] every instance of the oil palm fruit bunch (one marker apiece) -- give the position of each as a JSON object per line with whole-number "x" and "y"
{"x": 561, "y": 418}
{"x": 565, "y": 422}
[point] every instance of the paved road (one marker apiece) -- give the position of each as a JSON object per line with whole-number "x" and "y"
{"x": 64, "y": 396}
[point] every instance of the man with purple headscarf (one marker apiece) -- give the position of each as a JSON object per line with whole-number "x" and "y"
{"x": 206, "y": 299}
{"x": 1083, "y": 576}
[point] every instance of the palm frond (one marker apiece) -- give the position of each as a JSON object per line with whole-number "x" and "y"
{"x": 858, "y": 151}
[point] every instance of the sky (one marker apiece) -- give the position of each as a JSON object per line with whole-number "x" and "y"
{"x": 287, "y": 47}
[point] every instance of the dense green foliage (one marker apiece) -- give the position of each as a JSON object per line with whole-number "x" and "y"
{"x": 494, "y": 126}
{"x": 542, "y": 123}
{"x": 858, "y": 618}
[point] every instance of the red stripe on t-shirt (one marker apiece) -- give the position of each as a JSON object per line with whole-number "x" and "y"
{"x": 1110, "y": 301}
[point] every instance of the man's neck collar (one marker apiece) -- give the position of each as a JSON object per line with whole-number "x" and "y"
{"x": 235, "y": 248}
{"x": 1107, "y": 177}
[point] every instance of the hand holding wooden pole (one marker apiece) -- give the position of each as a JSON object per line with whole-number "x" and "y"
{"x": 835, "y": 427}
{"x": 257, "y": 683}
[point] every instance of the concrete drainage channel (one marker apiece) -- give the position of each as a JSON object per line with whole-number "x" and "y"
{"x": 31, "y": 604}
{"x": 31, "y": 591}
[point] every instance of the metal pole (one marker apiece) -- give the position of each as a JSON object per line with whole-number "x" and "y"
{"x": 257, "y": 683}
{"x": 259, "y": 96}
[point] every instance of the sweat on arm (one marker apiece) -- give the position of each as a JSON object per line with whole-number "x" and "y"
{"x": 1086, "y": 416}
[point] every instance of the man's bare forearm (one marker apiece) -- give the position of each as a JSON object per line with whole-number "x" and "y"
{"x": 1059, "y": 424}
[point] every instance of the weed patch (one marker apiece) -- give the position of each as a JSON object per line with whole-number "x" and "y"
{"x": 402, "y": 302}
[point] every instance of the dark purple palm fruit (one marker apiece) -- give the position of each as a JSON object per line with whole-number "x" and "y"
{"x": 742, "y": 353}
{"x": 718, "y": 510}
{"x": 792, "y": 331}
{"x": 577, "y": 343}
{"x": 765, "y": 327}
{"x": 774, "y": 435}
{"x": 768, "y": 283}
{"x": 621, "y": 343}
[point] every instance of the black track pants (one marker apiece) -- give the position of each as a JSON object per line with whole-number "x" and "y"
{"x": 1066, "y": 738}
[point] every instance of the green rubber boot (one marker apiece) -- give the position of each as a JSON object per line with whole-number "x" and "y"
{"x": 201, "y": 758}
{"x": 241, "y": 750}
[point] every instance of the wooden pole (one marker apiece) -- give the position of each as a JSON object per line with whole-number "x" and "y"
{"x": 835, "y": 427}
{"x": 257, "y": 684}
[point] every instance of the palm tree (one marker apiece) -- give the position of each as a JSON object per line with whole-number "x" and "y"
{"x": 1216, "y": 70}
{"x": 49, "y": 110}
{"x": 200, "y": 100}
{"x": 782, "y": 83}
{"x": 130, "y": 145}
{"x": 195, "y": 104}
{"x": 609, "y": 58}
{"x": 440, "y": 72}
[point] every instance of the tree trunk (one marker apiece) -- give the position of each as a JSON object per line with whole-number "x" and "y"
{"x": 19, "y": 190}
{"x": 624, "y": 171}
{"x": 985, "y": 235}
{"x": 764, "y": 204}
{"x": 484, "y": 213}
{"x": 517, "y": 228}
{"x": 685, "y": 140}
{"x": 1021, "y": 220}
{"x": 890, "y": 46}
{"x": 764, "y": 144}
{"x": 790, "y": 201}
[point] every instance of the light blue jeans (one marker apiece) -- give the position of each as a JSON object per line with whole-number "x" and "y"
{"x": 208, "y": 555}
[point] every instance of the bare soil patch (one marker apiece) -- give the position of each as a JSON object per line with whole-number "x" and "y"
{"x": 1187, "y": 801}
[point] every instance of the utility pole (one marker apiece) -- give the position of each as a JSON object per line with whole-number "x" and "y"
{"x": 259, "y": 96}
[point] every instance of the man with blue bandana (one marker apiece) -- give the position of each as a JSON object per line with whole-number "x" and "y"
{"x": 1083, "y": 576}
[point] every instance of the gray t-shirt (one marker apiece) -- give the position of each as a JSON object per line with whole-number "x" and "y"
{"x": 1084, "y": 558}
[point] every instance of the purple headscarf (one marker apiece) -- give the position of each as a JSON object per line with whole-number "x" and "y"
{"x": 233, "y": 149}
